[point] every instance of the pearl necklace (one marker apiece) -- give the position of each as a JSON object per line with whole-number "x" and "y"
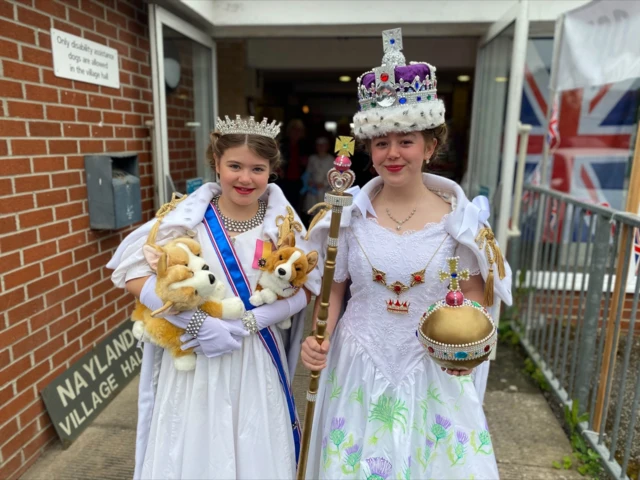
{"x": 236, "y": 226}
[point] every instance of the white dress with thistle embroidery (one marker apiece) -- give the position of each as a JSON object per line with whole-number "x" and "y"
{"x": 384, "y": 407}
{"x": 228, "y": 418}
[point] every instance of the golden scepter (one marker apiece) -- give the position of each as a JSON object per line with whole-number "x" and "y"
{"x": 341, "y": 177}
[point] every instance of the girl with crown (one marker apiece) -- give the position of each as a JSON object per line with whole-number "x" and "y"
{"x": 233, "y": 415}
{"x": 384, "y": 408}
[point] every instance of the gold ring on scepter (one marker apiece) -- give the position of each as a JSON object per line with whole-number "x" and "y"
{"x": 341, "y": 177}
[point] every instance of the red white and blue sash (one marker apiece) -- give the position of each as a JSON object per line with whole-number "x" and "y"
{"x": 241, "y": 288}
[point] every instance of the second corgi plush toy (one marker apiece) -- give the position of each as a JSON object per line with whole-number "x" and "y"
{"x": 184, "y": 282}
{"x": 284, "y": 273}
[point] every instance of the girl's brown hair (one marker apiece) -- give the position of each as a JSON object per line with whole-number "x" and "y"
{"x": 262, "y": 146}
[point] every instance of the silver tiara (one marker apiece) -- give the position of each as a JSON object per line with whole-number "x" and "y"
{"x": 248, "y": 127}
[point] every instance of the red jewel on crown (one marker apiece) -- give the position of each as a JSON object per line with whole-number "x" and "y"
{"x": 454, "y": 298}
{"x": 384, "y": 77}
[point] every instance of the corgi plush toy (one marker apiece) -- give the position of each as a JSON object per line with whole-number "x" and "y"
{"x": 184, "y": 282}
{"x": 285, "y": 270}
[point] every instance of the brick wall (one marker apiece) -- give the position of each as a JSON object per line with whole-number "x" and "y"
{"x": 56, "y": 298}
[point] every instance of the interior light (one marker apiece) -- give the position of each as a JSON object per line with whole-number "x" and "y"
{"x": 501, "y": 79}
{"x": 345, "y": 78}
{"x": 305, "y": 109}
{"x": 331, "y": 126}
{"x": 464, "y": 78}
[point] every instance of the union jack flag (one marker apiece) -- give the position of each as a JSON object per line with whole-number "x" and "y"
{"x": 636, "y": 249}
{"x": 589, "y": 133}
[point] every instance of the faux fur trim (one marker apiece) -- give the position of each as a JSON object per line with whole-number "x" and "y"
{"x": 399, "y": 118}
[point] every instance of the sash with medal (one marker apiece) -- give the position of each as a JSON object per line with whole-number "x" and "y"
{"x": 240, "y": 286}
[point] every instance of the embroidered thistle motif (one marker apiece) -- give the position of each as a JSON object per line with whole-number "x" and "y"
{"x": 336, "y": 390}
{"x": 484, "y": 439}
{"x": 379, "y": 468}
{"x": 457, "y": 452}
{"x": 352, "y": 456}
{"x": 337, "y": 434}
{"x": 426, "y": 457}
{"x": 357, "y": 396}
{"x": 440, "y": 428}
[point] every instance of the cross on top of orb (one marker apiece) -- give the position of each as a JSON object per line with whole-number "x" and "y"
{"x": 453, "y": 275}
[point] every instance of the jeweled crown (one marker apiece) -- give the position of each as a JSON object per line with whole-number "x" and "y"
{"x": 396, "y": 97}
{"x": 395, "y": 82}
{"x": 248, "y": 127}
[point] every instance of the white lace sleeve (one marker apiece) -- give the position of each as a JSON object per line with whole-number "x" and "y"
{"x": 468, "y": 259}
{"x": 341, "y": 273}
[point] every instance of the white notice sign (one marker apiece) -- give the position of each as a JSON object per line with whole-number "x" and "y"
{"x": 80, "y": 59}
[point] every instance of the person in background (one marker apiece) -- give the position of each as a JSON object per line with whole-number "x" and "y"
{"x": 315, "y": 182}
{"x": 295, "y": 154}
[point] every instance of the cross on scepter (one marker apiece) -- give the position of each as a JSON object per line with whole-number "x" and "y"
{"x": 453, "y": 275}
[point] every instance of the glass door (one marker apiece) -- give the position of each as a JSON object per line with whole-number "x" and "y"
{"x": 497, "y": 100}
{"x": 185, "y": 103}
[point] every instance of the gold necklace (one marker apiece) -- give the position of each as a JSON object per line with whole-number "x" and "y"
{"x": 400, "y": 223}
{"x": 397, "y": 287}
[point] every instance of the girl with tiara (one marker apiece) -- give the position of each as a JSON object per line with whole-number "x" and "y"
{"x": 385, "y": 409}
{"x": 233, "y": 415}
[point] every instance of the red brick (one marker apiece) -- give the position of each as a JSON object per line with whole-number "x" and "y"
{"x": 57, "y": 263}
{"x": 65, "y": 27}
{"x": 17, "y": 32}
{"x": 33, "y": 18}
{"x": 18, "y": 203}
{"x": 14, "y": 166}
{"x": 43, "y": 437}
{"x": 141, "y": 107}
{"x": 135, "y": 120}
{"x": 25, "y": 110}
{"x": 41, "y": 58}
{"x": 93, "y": 335}
{"x": 116, "y": 19}
{"x": 9, "y": 50}
{"x": 49, "y": 164}
{"x": 10, "y": 128}
{"x": 44, "y": 129}
{"x": 10, "y": 335}
{"x": 58, "y": 295}
{"x": 11, "y": 466}
{"x": 122, "y": 105}
{"x": 125, "y": 78}
{"x": 41, "y": 94}
{"x": 127, "y": 37}
{"x": 112, "y": 117}
{"x": 106, "y": 29}
{"x": 130, "y": 92}
{"x": 44, "y": 42}
{"x": 76, "y": 130}
{"x": 49, "y": 78}
{"x": 85, "y": 252}
{"x": 87, "y": 87}
{"x": 70, "y": 210}
{"x": 139, "y": 55}
{"x": 38, "y": 252}
{"x": 91, "y": 307}
{"x": 27, "y": 345}
{"x": 9, "y": 430}
{"x": 101, "y": 132}
{"x": 10, "y": 89}
{"x": 75, "y": 162}
{"x": 36, "y": 217}
{"x": 85, "y": 115}
{"x": 97, "y": 101}
{"x": 77, "y": 193}
{"x": 65, "y": 179}
{"x": 52, "y": 8}
{"x": 60, "y": 113}
{"x": 70, "y": 242}
{"x": 69, "y": 97}
{"x": 43, "y": 285}
{"x": 78, "y": 18}
{"x": 115, "y": 146}
{"x": 62, "y": 325}
{"x": 28, "y": 147}
{"x": 63, "y": 146}
{"x": 32, "y": 183}
{"x": 140, "y": 82}
{"x": 124, "y": 132}
{"x": 11, "y": 299}
{"x": 20, "y": 71}
{"x": 75, "y": 302}
{"x": 6, "y": 10}
{"x": 54, "y": 231}
{"x": 19, "y": 440}
{"x": 44, "y": 318}
{"x": 51, "y": 198}
{"x": 91, "y": 146}
{"x": 17, "y": 241}
{"x": 7, "y": 224}
{"x": 80, "y": 223}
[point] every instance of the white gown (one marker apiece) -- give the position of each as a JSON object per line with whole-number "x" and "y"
{"x": 228, "y": 418}
{"x": 385, "y": 410}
